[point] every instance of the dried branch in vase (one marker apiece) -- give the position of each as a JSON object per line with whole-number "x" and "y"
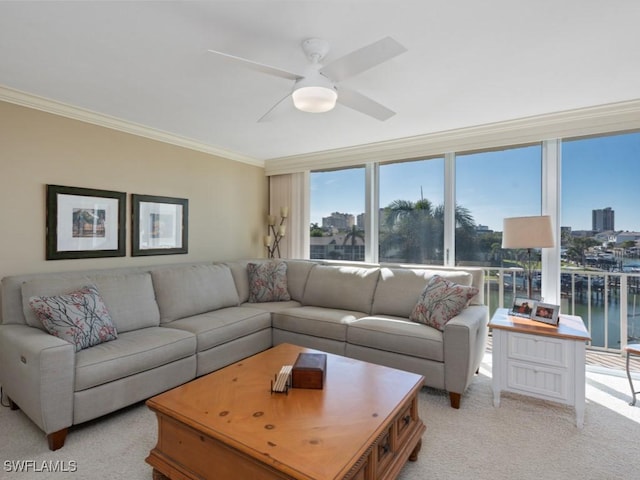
{"x": 275, "y": 233}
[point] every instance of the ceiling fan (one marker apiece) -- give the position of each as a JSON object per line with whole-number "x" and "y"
{"x": 316, "y": 89}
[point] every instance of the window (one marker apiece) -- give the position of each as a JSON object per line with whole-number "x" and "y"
{"x": 599, "y": 234}
{"x": 337, "y": 214}
{"x": 411, "y": 214}
{"x": 590, "y": 192}
{"x": 490, "y": 186}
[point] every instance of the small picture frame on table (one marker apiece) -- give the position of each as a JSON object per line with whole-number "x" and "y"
{"x": 522, "y": 307}
{"x": 545, "y": 312}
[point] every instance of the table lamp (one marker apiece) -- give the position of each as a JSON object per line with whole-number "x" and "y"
{"x": 527, "y": 232}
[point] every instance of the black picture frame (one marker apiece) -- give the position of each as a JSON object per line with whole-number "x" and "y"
{"x": 84, "y": 223}
{"x": 159, "y": 225}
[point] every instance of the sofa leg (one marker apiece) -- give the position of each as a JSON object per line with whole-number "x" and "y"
{"x": 454, "y": 399}
{"x": 13, "y": 405}
{"x": 56, "y": 439}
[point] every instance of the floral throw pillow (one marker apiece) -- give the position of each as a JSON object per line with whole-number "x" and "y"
{"x": 440, "y": 301}
{"x": 268, "y": 282}
{"x": 80, "y": 317}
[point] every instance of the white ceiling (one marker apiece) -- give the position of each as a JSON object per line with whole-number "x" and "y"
{"x": 469, "y": 62}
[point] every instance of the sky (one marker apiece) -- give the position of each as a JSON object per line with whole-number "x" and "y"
{"x": 596, "y": 173}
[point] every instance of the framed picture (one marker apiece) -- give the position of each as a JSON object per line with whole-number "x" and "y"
{"x": 522, "y": 307}
{"x": 545, "y": 312}
{"x": 84, "y": 223}
{"x": 159, "y": 225}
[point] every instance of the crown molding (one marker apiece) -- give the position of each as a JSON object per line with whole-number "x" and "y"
{"x": 601, "y": 119}
{"x": 76, "y": 113}
{"x": 610, "y": 118}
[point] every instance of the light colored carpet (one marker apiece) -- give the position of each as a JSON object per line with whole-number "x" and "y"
{"x": 523, "y": 439}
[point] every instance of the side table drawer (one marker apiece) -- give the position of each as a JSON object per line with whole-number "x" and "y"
{"x": 538, "y": 380}
{"x": 535, "y": 348}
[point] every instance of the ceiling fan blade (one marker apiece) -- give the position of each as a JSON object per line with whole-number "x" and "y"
{"x": 267, "y": 115}
{"x": 362, "y": 59}
{"x": 363, "y": 104}
{"x": 260, "y": 67}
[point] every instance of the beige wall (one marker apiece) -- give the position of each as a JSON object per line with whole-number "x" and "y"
{"x": 227, "y": 199}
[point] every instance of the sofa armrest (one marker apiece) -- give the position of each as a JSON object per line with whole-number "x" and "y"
{"x": 37, "y": 373}
{"x": 465, "y": 338}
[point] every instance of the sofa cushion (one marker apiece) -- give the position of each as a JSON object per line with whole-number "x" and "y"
{"x": 79, "y": 317}
{"x": 399, "y": 289}
{"x": 397, "y": 335}
{"x": 341, "y": 287}
{"x": 133, "y": 352}
{"x": 440, "y": 301}
{"x": 130, "y": 299}
{"x": 316, "y": 321}
{"x": 297, "y": 274}
{"x": 221, "y": 326}
{"x": 184, "y": 291}
{"x": 272, "y": 306}
{"x": 45, "y": 287}
{"x": 268, "y": 282}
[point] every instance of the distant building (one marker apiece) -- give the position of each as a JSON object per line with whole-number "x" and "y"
{"x": 337, "y": 247}
{"x": 340, "y": 221}
{"x": 582, "y": 233}
{"x": 606, "y": 237}
{"x": 603, "y": 219}
{"x": 622, "y": 237}
{"x": 483, "y": 229}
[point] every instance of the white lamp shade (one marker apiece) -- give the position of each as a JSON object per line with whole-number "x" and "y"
{"x": 527, "y": 232}
{"x": 314, "y": 99}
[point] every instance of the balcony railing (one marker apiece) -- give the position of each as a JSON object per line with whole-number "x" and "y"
{"x": 608, "y": 302}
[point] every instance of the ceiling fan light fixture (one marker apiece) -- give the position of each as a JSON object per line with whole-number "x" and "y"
{"x": 314, "y": 99}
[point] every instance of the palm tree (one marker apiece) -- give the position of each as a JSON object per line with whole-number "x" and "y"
{"x": 354, "y": 234}
{"x": 414, "y": 232}
{"x": 411, "y": 230}
{"x": 578, "y": 246}
{"x": 496, "y": 254}
{"x": 465, "y": 231}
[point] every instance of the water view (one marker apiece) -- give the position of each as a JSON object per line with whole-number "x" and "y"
{"x": 594, "y": 178}
{"x": 583, "y": 294}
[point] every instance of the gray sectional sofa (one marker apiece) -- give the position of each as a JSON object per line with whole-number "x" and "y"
{"x": 177, "y": 322}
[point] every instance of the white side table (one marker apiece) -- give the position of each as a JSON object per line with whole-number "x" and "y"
{"x": 540, "y": 360}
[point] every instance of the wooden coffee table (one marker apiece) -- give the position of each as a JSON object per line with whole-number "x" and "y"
{"x": 362, "y": 425}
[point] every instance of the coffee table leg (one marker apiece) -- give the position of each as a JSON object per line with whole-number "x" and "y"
{"x": 157, "y": 475}
{"x": 414, "y": 455}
